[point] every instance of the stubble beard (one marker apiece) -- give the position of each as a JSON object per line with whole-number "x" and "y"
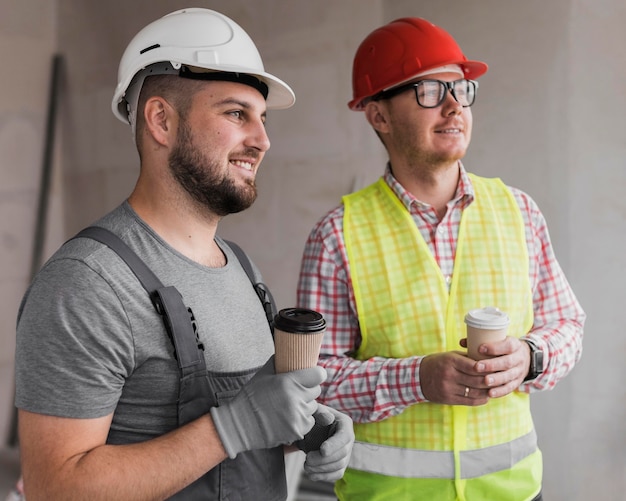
{"x": 424, "y": 155}
{"x": 203, "y": 178}
{"x": 427, "y": 161}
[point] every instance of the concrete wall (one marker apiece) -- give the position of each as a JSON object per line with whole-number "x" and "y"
{"x": 549, "y": 119}
{"x": 27, "y": 44}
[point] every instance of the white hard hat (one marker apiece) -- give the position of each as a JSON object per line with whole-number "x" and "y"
{"x": 196, "y": 38}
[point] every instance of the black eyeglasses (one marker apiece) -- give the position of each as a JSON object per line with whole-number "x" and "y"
{"x": 431, "y": 93}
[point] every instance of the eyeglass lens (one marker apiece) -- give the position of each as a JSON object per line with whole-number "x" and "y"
{"x": 431, "y": 93}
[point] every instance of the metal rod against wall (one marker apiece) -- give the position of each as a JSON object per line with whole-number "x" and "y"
{"x": 44, "y": 193}
{"x": 46, "y": 172}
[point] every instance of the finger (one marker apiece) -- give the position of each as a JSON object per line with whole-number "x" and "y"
{"x": 496, "y": 364}
{"x": 342, "y": 438}
{"x": 309, "y": 409}
{"x": 337, "y": 446}
{"x": 320, "y": 464}
{"x": 507, "y": 346}
{"x": 309, "y": 378}
{"x": 323, "y": 416}
{"x": 326, "y": 477}
{"x": 473, "y": 396}
{"x": 328, "y": 472}
{"x": 504, "y": 389}
{"x": 340, "y": 455}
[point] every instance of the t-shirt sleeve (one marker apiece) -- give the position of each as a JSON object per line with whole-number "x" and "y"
{"x": 74, "y": 346}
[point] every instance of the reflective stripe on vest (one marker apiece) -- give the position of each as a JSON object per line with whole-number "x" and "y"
{"x": 411, "y": 463}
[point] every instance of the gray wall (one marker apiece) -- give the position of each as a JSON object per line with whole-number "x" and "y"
{"x": 550, "y": 119}
{"x": 27, "y": 42}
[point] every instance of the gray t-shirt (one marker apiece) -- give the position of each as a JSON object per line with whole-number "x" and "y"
{"x": 89, "y": 341}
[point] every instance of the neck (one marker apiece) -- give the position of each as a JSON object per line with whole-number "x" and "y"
{"x": 435, "y": 187}
{"x": 181, "y": 226}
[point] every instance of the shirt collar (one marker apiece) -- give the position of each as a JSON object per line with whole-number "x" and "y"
{"x": 464, "y": 190}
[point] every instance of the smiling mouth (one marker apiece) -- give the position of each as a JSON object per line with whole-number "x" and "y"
{"x": 451, "y": 130}
{"x": 244, "y": 165}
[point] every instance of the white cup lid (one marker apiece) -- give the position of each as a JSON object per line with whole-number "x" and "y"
{"x": 487, "y": 318}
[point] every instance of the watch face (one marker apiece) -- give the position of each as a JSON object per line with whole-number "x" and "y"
{"x": 538, "y": 362}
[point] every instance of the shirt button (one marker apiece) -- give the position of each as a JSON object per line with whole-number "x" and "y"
{"x": 440, "y": 230}
{"x": 448, "y": 279}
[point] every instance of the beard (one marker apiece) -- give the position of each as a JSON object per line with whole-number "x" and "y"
{"x": 204, "y": 180}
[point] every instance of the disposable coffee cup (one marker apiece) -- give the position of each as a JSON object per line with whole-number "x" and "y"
{"x": 484, "y": 325}
{"x": 298, "y": 334}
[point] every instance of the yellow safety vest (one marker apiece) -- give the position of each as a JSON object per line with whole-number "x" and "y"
{"x": 432, "y": 451}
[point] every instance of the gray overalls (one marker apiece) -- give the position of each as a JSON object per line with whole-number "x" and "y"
{"x": 257, "y": 475}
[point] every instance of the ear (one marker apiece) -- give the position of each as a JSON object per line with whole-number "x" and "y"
{"x": 377, "y": 116}
{"x": 161, "y": 120}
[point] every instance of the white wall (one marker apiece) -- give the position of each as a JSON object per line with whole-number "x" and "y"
{"x": 549, "y": 119}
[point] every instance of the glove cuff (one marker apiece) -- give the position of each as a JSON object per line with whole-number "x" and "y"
{"x": 224, "y": 431}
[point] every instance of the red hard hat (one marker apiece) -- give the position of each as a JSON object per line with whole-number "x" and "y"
{"x": 401, "y": 50}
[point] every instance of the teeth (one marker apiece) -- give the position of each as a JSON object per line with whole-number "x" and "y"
{"x": 244, "y": 165}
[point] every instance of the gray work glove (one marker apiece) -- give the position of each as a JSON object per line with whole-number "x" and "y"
{"x": 269, "y": 410}
{"x": 330, "y": 462}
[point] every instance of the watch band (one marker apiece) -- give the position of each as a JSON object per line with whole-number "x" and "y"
{"x": 536, "y": 360}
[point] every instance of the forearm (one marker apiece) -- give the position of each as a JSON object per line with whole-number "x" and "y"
{"x": 557, "y": 327}
{"x": 155, "y": 469}
{"x": 561, "y": 343}
{"x": 373, "y": 389}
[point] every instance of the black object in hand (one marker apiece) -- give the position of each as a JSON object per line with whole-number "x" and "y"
{"x": 314, "y": 439}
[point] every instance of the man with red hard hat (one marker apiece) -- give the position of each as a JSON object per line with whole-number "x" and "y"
{"x": 394, "y": 270}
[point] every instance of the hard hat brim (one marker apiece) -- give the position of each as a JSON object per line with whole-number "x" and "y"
{"x": 471, "y": 69}
{"x": 280, "y": 95}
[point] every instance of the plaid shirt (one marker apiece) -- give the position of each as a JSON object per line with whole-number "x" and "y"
{"x": 378, "y": 388}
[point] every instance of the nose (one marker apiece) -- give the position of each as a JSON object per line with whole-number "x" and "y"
{"x": 258, "y": 138}
{"x": 450, "y": 105}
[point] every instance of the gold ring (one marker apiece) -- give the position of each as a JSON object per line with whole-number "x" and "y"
{"x": 466, "y": 391}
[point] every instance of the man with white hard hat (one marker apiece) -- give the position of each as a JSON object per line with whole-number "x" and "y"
{"x": 144, "y": 359}
{"x": 396, "y": 267}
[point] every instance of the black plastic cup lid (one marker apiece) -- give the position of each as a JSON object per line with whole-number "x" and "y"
{"x": 299, "y": 320}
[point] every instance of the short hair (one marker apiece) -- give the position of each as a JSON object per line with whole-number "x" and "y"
{"x": 179, "y": 92}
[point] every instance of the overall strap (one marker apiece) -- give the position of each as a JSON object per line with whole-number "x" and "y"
{"x": 166, "y": 300}
{"x": 148, "y": 279}
{"x": 267, "y": 300}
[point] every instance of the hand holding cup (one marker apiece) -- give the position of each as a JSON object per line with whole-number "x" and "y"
{"x": 484, "y": 325}
{"x": 298, "y": 334}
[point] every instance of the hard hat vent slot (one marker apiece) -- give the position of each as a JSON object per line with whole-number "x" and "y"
{"x": 155, "y": 46}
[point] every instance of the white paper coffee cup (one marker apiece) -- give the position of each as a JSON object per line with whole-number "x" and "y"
{"x": 484, "y": 325}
